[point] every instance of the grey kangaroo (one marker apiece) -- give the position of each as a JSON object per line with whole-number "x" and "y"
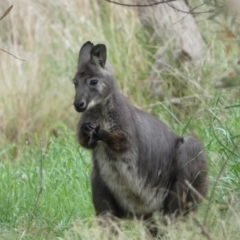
{"x": 139, "y": 165}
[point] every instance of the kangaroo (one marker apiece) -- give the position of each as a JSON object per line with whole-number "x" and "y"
{"x": 140, "y": 166}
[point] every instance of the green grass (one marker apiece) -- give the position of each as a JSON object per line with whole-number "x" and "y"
{"x": 44, "y": 174}
{"x": 65, "y": 192}
{"x": 64, "y": 209}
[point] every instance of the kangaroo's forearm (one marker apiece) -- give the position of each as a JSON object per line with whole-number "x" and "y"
{"x": 117, "y": 141}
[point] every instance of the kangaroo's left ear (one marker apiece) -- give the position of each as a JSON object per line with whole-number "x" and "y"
{"x": 99, "y": 55}
{"x": 84, "y": 53}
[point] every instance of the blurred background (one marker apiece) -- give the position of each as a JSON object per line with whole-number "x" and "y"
{"x": 159, "y": 53}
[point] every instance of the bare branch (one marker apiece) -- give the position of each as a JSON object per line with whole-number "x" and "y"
{"x": 140, "y": 5}
{"x": 6, "y": 13}
{"x": 1, "y": 18}
{"x": 192, "y": 9}
{"x": 170, "y": 5}
{"x": 12, "y": 55}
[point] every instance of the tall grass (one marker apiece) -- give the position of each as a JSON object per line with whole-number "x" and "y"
{"x": 58, "y": 204}
{"x": 46, "y": 193}
{"x": 37, "y": 93}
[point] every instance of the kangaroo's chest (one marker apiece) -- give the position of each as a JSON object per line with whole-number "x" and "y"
{"x": 120, "y": 173}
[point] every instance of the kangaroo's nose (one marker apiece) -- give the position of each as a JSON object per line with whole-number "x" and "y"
{"x": 79, "y": 105}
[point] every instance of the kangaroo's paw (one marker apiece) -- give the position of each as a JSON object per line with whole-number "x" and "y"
{"x": 95, "y": 136}
{"x": 87, "y": 129}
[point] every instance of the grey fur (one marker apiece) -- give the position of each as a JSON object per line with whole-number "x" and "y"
{"x": 140, "y": 165}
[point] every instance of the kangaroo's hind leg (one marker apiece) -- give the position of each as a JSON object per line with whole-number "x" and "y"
{"x": 106, "y": 207}
{"x": 190, "y": 167}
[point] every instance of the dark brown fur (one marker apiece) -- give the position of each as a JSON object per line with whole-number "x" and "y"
{"x": 139, "y": 164}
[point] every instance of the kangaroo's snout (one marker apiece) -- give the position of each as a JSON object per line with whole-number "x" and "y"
{"x": 80, "y": 106}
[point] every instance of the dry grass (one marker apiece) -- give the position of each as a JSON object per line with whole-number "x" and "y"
{"x": 193, "y": 227}
{"x": 37, "y": 93}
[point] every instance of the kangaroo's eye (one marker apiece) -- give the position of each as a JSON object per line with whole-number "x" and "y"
{"x": 94, "y": 82}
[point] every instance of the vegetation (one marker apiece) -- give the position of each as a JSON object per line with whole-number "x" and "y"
{"x": 45, "y": 175}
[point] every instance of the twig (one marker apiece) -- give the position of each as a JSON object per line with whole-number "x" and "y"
{"x": 140, "y": 5}
{"x": 6, "y": 12}
{"x": 1, "y": 18}
{"x": 12, "y": 54}
{"x": 192, "y": 12}
{"x": 40, "y": 183}
{"x": 168, "y": 3}
{"x": 203, "y": 231}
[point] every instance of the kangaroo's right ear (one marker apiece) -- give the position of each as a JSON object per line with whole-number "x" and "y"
{"x": 99, "y": 55}
{"x": 84, "y": 53}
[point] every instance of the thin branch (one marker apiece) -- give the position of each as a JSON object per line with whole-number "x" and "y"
{"x": 168, "y": 3}
{"x": 6, "y": 12}
{"x": 192, "y": 10}
{"x": 141, "y": 5}
{"x": 1, "y": 18}
{"x": 12, "y": 55}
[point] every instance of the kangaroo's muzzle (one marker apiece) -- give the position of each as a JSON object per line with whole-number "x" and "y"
{"x": 80, "y": 106}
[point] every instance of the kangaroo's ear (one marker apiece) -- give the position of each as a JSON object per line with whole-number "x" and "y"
{"x": 84, "y": 53}
{"x": 99, "y": 55}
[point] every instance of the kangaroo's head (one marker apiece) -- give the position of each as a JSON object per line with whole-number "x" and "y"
{"x": 94, "y": 79}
